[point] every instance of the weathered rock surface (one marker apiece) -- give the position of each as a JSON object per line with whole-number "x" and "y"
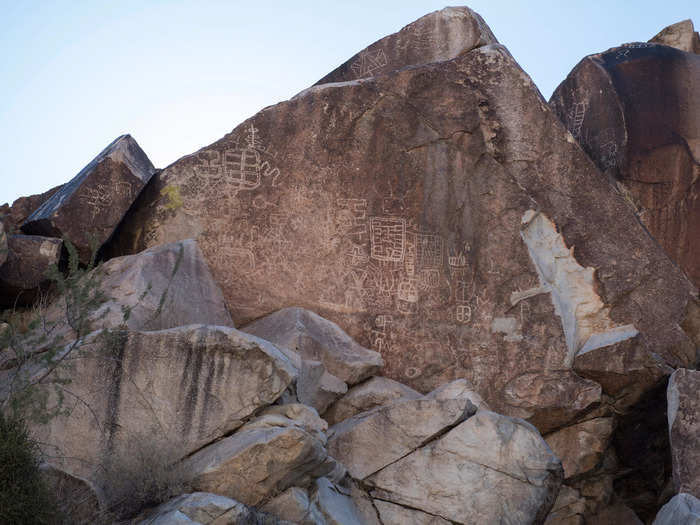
{"x": 3, "y": 244}
{"x": 315, "y": 338}
{"x": 92, "y": 204}
{"x": 683, "y": 509}
{"x": 617, "y": 514}
{"x": 392, "y": 514}
{"x": 13, "y": 216}
{"x": 580, "y": 447}
{"x": 634, "y": 109}
{"x": 77, "y": 499}
{"x": 262, "y": 459}
{"x": 373, "y": 393}
{"x": 489, "y": 469}
{"x": 206, "y": 509}
{"x": 28, "y": 257}
{"x": 292, "y": 505}
{"x": 684, "y": 429}
{"x": 316, "y": 387}
{"x": 369, "y": 441}
{"x": 551, "y": 398}
{"x": 436, "y": 37}
{"x": 681, "y": 35}
{"x": 423, "y": 244}
{"x": 169, "y": 392}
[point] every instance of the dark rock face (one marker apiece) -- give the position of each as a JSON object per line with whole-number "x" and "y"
{"x": 436, "y": 37}
{"x": 24, "y": 270}
{"x": 94, "y": 202}
{"x": 13, "y": 216}
{"x": 634, "y": 109}
{"x": 402, "y": 208}
{"x": 684, "y": 429}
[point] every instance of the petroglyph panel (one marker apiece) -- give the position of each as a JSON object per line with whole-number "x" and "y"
{"x": 388, "y": 238}
{"x": 369, "y": 63}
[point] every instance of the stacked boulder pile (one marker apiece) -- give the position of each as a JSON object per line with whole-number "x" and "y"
{"x": 415, "y": 293}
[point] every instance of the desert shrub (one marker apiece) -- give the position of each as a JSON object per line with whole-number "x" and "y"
{"x": 24, "y": 497}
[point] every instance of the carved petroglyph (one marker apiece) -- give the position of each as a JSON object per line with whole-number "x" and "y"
{"x": 608, "y": 148}
{"x": 100, "y": 196}
{"x": 585, "y": 319}
{"x": 577, "y": 115}
{"x": 368, "y": 62}
{"x": 387, "y": 238}
{"x": 237, "y": 168}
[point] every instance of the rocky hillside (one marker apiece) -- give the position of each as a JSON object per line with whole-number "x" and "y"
{"x": 414, "y": 293}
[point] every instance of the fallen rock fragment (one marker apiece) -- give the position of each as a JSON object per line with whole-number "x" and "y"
{"x": 399, "y": 427}
{"x": 436, "y": 37}
{"x": 292, "y": 505}
{"x": 329, "y": 505}
{"x": 489, "y": 469}
{"x": 568, "y": 509}
{"x": 684, "y": 429}
{"x": 315, "y": 338}
{"x": 580, "y": 447}
{"x": 551, "y": 398}
{"x": 89, "y": 207}
{"x": 28, "y": 258}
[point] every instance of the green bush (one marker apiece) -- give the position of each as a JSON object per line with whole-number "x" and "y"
{"x": 24, "y": 498}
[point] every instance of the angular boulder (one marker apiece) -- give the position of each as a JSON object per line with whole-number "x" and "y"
{"x": 89, "y": 207}
{"x": 568, "y": 509}
{"x": 292, "y": 505}
{"x": 373, "y": 393}
{"x": 681, "y": 35}
{"x": 315, "y": 338}
{"x": 163, "y": 393}
{"x": 682, "y": 509}
{"x": 447, "y": 202}
{"x": 551, "y": 398}
{"x": 13, "y": 216}
{"x": 634, "y": 109}
{"x": 436, "y": 37}
{"x": 330, "y": 506}
{"x": 28, "y": 258}
{"x": 261, "y": 460}
{"x": 489, "y": 469}
{"x": 684, "y": 429}
{"x": 400, "y": 427}
{"x": 580, "y": 447}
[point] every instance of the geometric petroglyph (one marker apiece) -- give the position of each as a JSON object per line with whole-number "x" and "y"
{"x": 463, "y": 313}
{"x": 387, "y": 238}
{"x": 408, "y": 291}
{"x": 428, "y": 250}
{"x": 368, "y": 62}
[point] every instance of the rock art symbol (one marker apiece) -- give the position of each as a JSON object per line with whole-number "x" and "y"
{"x": 387, "y": 238}
{"x": 368, "y": 62}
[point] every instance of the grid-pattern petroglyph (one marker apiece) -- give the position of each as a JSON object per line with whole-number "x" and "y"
{"x": 429, "y": 250}
{"x": 387, "y": 238}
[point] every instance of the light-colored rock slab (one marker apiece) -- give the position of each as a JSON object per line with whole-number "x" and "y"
{"x": 261, "y": 460}
{"x": 316, "y": 338}
{"x": 681, "y": 35}
{"x": 292, "y": 505}
{"x": 372, "y": 440}
{"x": 331, "y": 506}
{"x": 682, "y": 509}
{"x": 169, "y": 392}
{"x": 489, "y": 469}
{"x": 373, "y": 393}
{"x": 568, "y": 509}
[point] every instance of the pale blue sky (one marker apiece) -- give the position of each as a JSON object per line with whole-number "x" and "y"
{"x": 178, "y": 75}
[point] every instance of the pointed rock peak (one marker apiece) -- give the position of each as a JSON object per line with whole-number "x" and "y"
{"x": 436, "y": 37}
{"x": 681, "y": 35}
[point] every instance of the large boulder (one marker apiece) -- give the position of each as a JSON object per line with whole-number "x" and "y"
{"x": 24, "y": 271}
{"x": 581, "y": 447}
{"x": 681, "y": 35}
{"x": 634, "y": 109}
{"x": 447, "y": 201}
{"x": 264, "y": 457}
{"x": 436, "y": 37}
{"x": 489, "y": 469}
{"x": 14, "y": 216}
{"x": 156, "y": 396}
{"x": 87, "y": 209}
{"x": 684, "y": 429}
{"x": 400, "y": 427}
{"x": 315, "y": 338}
